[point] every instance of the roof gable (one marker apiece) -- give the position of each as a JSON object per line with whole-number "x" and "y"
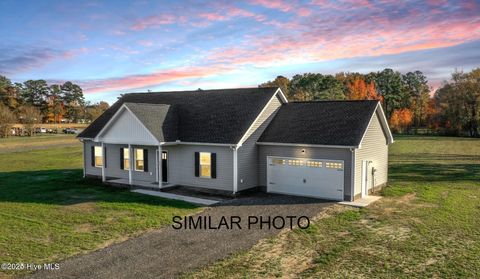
{"x": 127, "y": 128}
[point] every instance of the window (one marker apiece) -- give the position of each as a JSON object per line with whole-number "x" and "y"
{"x": 314, "y": 164}
{"x": 205, "y": 164}
{"x": 139, "y": 162}
{"x": 278, "y": 161}
{"x": 334, "y": 165}
{"x": 295, "y": 162}
{"x": 98, "y": 154}
{"x": 126, "y": 158}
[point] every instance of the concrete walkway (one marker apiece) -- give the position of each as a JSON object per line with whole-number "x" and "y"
{"x": 363, "y": 202}
{"x": 176, "y": 197}
{"x": 168, "y": 252}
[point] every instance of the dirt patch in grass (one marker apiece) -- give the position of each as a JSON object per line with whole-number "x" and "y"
{"x": 83, "y": 228}
{"x": 86, "y": 207}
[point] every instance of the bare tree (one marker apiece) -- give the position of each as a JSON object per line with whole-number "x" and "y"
{"x": 30, "y": 117}
{"x": 7, "y": 119}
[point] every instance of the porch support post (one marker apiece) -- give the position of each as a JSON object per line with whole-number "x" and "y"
{"x": 160, "y": 160}
{"x": 130, "y": 161}
{"x": 103, "y": 163}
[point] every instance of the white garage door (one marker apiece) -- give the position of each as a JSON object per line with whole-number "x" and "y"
{"x": 306, "y": 177}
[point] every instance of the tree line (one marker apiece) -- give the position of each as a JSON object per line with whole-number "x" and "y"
{"x": 35, "y": 101}
{"x": 453, "y": 109}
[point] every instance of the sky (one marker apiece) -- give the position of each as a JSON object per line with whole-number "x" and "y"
{"x": 114, "y": 47}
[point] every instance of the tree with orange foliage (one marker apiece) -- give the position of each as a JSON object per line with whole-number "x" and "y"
{"x": 358, "y": 89}
{"x": 401, "y": 119}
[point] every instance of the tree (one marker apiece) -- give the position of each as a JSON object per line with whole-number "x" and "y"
{"x": 458, "y": 102}
{"x": 55, "y": 103}
{"x": 7, "y": 119}
{"x": 35, "y": 93}
{"x": 8, "y": 93}
{"x": 95, "y": 110}
{"x": 358, "y": 89}
{"x": 279, "y": 81}
{"x": 30, "y": 116}
{"x": 73, "y": 100}
{"x": 401, "y": 119}
{"x": 390, "y": 87}
{"x": 310, "y": 86}
{"x": 417, "y": 96}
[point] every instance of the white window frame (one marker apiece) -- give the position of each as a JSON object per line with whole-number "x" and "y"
{"x": 136, "y": 159}
{"x": 209, "y": 154}
{"x": 95, "y": 155}
{"x": 126, "y": 166}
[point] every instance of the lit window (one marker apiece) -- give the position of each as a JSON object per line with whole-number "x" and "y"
{"x": 314, "y": 164}
{"x": 164, "y": 155}
{"x": 278, "y": 161}
{"x": 126, "y": 159}
{"x": 332, "y": 165}
{"x": 205, "y": 164}
{"x": 139, "y": 164}
{"x": 295, "y": 162}
{"x": 98, "y": 152}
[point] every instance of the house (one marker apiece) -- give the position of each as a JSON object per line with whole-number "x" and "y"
{"x": 231, "y": 140}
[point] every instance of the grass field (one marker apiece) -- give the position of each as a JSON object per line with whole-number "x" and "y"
{"x": 48, "y": 212}
{"x": 17, "y": 144}
{"x": 426, "y": 226}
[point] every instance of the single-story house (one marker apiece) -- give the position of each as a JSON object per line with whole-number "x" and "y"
{"x": 231, "y": 140}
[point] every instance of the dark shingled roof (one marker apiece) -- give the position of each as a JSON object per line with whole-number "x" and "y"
{"x": 320, "y": 122}
{"x": 211, "y": 116}
{"x": 161, "y": 120}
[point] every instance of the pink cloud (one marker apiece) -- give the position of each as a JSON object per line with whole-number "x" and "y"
{"x": 153, "y": 79}
{"x": 283, "y": 6}
{"x": 153, "y": 21}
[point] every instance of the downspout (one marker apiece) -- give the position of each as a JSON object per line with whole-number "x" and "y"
{"x": 234, "y": 148}
{"x": 352, "y": 175}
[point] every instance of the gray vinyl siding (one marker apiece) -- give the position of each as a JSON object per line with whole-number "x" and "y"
{"x": 89, "y": 169}
{"x": 142, "y": 175}
{"x": 247, "y": 154}
{"x": 374, "y": 148}
{"x": 181, "y": 166}
{"x": 113, "y": 169}
{"x": 310, "y": 152}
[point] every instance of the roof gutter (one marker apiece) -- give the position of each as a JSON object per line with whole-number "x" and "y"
{"x": 307, "y": 145}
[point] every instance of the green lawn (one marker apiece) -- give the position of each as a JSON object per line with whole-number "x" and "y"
{"x": 48, "y": 212}
{"x": 427, "y": 225}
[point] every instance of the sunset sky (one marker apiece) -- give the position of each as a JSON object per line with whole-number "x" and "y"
{"x": 112, "y": 47}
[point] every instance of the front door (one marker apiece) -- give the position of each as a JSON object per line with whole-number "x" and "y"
{"x": 164, "y": 166}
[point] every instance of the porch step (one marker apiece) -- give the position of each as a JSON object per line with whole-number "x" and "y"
{"x": 363, "y": 202}
{"x": 175, "y": 197}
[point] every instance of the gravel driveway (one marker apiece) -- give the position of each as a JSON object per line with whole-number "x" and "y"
{"x": 167, "y": 252}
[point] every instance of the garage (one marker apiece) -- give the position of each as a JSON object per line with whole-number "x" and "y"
{"x": 319, "y": 178}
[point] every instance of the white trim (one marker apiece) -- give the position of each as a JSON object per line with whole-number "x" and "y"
{"x": 135, "y": 159}
{"x": 352, "y": 174}
{"x": 282, "y": 96}
{"x": 159, "y": 169}
{"x": 235, "y": 170}
{"x": 103, "y": 162}
{"x": 383, "y": 122}
{"x": 244, "y": 137}
{"x": 131, "y": 142}
{"x": 84, "y": 160}
{"x": 116, "y": 115}
{"x": 364, "y": 179}
{"x": 305, "y": 145}
{"x": 130, "y": 155}
{"x": 197, "y": 143}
